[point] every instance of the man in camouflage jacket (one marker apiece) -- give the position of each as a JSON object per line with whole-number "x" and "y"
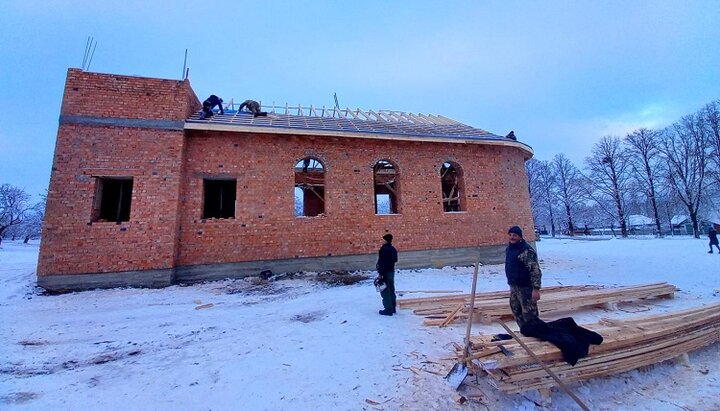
{"x": 523, "y": 276}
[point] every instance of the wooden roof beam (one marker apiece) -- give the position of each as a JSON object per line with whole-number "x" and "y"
{"x": 348, "y": 111}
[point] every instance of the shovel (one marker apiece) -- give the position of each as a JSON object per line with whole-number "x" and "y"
{"x": 459, "y": 371}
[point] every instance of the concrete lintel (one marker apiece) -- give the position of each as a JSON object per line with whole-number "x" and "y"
{"x": 173, "y": 125}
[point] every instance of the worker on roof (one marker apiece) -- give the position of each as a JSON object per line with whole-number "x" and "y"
{"x": 252, "y": 106}
{"x": 524, "y": 277}
{"x": 209, "y": 104}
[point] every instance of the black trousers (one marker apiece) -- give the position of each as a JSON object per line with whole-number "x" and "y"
{"x": 388, "y": 294}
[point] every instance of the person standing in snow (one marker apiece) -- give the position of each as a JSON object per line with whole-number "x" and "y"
{"x": 524, "y": 277}
{"x": 712, "y": 235}
{"x": 387, "y": 257}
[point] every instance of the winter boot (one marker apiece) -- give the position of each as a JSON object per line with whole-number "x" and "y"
{"x": 383, "y": 312}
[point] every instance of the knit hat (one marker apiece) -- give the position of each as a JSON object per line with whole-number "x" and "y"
{"x": 388, "y": 238}
{"x": 515, "y": 229}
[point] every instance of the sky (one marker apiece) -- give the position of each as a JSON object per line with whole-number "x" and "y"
{"x": 560, "y": 74}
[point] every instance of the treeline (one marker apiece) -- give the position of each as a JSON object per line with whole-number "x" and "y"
{"x": 657, "y": 173}
{"x": 19, "y": 218}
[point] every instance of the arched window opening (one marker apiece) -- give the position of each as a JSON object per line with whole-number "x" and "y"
{"x": 452, "y": 187}
{"x": 386, "y": 188}
{"x": 309, "y": 188}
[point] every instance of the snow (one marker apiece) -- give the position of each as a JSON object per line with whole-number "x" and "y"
{"x": 298, "y": 344}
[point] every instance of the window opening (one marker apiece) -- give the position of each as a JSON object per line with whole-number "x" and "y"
{"x": 219, "y": 198}
{"x": 451, "y": 179}
{"x": 385, "y": 182}
{"x": 309, "y": 188}
{"x": 113, "y": 197}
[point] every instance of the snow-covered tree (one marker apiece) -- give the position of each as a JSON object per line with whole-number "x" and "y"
{"x": 569, "y": 183}
{"x": 643, "y": 150}
{"x": 685, "y": 147}
{"x": 609, "y": 177}
{"x": 13, "y": 207}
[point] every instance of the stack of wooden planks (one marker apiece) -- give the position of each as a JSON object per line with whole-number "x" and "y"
{"x": 491, "y": 306}
{"x": 628, "y": 344}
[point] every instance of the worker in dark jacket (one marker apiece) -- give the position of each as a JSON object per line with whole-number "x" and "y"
{"x": 712, "y": 235}
{"x": 523, "y": 276}
{"x": 387, "y": 257}
{"x": 209, "y": 104}
{"x": 254, "y": 108}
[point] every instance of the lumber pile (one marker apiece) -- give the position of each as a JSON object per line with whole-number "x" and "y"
{"x": 628, "y": 344}
{"x": 492, "y": 306}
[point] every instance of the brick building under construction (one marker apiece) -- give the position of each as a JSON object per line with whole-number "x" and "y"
{"x": 145, "y": 193}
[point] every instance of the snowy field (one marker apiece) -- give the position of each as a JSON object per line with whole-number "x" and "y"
{"x": 297, "y": 344}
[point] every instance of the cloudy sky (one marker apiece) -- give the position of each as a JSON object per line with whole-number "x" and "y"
{"x": 561, "y": 74}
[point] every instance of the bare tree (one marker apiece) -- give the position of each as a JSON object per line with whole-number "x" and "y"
{"x": 542, "y": 195}
{"x": 13, "y": 207}
{"x": 643, "y": 152}
{"x": 608, "y": 168}
{"x": 534, "y": 189}
{"x": 685, "y": 148}
{"x": 548, "y": 182}
{"x": 31, "y": 226}
{"x": 711, "y": 116}
{"x": 569, "y": 184}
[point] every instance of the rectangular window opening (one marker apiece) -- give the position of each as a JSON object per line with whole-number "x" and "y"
{"x": 113, "y": 197}
{"x": 219, "y": 198}
{"x": 309, "y": 201}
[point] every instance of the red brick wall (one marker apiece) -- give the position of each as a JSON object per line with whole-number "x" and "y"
{"x": 152, "y": 157}
{"x": 110, "y": 95}
{"x": 265, "y": 226}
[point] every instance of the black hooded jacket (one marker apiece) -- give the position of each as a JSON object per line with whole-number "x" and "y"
{"x": 574, "y": 341}
{"x": 387, "y": 257}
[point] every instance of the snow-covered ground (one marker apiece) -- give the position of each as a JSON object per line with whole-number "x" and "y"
{"x": 297, "y": 344}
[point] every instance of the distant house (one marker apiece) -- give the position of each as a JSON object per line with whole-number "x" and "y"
{"x": 640, "y": 224}
{"x": 714, "y": 220}
{"x": 682, "y": 224}
{"x": 639, "y": 220}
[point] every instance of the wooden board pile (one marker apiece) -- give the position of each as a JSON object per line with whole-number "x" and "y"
{"x": 628, "y": 344}
{"x": 491, "y": 306}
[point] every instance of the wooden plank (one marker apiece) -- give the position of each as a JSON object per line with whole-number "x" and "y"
{"x": 629, "y": 344}
{"x": 451, "y": 316}
{"x": 494, "y": 305}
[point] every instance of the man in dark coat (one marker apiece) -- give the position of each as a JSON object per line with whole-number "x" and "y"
{"x": 254, "y": 108}
{"x": 712, "y": 235}
{"x": 524, "y": 277}
{"x": 387, "y": 257}
{"x": 209, "y": 104}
